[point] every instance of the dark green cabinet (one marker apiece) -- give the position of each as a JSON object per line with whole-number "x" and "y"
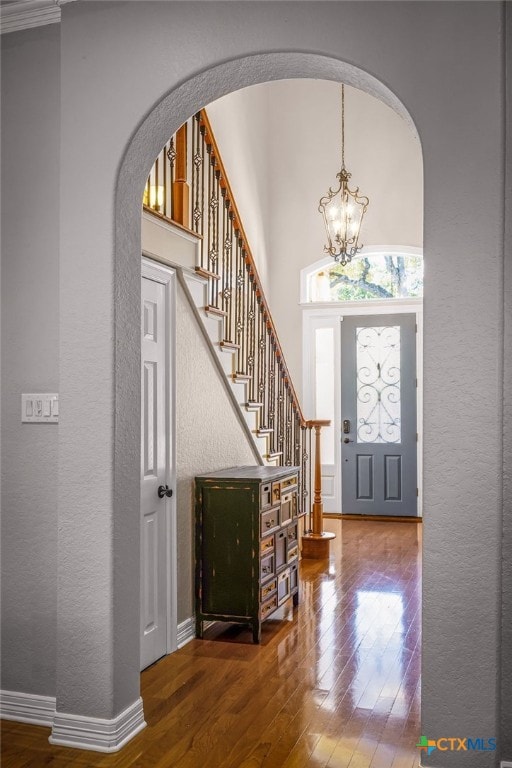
{"x": 247, "y": 549}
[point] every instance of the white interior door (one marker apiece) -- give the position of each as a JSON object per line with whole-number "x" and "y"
{"x": 158, "y": 506}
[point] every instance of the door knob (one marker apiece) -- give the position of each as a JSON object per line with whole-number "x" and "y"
{"x": 347, "y": 440}
{"x": 164, "y": 490}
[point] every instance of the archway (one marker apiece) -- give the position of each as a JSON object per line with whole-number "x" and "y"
{"x": 144, "y": 146}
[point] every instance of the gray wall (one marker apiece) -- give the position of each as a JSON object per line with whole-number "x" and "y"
{"x": 30, "y": 354}
{"x": 443, "y": 61}
{"x": 506, "y": 639}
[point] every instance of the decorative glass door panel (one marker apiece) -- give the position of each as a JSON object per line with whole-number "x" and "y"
{"x": 378, "y": 384}
{"x": 378, "y": 411}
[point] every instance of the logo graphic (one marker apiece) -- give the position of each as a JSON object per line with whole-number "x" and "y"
{"x": 455, "y": 744}
{"x": 427, "y": 745}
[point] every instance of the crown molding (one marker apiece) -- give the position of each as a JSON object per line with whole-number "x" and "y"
{"x": 24, "y": 14}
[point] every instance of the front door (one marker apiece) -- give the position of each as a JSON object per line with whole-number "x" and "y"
{"x": 157, "y": 507}
{"x": 378, "y": 412}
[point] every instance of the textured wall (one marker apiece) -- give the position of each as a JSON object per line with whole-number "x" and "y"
{"x": 433, "y": 57}
{"x": 30, "y": 349}
{"x": 209, "y": 436}
{"x": 506, "y": 639}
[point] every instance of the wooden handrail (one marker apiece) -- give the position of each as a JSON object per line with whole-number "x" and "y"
{"x": 237, "y": 223}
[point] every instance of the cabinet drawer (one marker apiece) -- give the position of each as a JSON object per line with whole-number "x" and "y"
{"x": 284, "y": 588}
{"x": 293, "y": 553}
{"x": 266, "y": 495}
{"x": 289, "y": 482}
{"x": 281, "y": 548}
{"x": 288, "y": 505}
{"x": 267, "y": 567}
{"x": 268, "y": 607}
{"x": 292, "y": 534}
{"x": 267, "y": 546}
{"x": 276, "y": 493}
{"x": 269, "y": 521}
{"x": 268, "y": 589}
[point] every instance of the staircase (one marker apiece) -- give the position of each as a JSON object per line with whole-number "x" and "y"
{"x": 228, "y": 298}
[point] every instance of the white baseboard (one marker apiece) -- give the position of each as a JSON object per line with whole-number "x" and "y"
{"x": 95, "y": 733}
{"x": 186, "y": 631}
{"x": 27, "y": 708}
{"x": 506, "y": 764}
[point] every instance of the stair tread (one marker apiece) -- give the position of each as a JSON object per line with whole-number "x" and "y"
{"x": 230, "y": 345}
{"x": 207, "y": 273}
{"x": 209, "y": 309}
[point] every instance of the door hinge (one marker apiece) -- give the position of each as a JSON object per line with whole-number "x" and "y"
{"x": 416, "y": 383}
{"x": 417, "y": 492}
{"x": 415, "y": 327}
{"x": 416, "y": 437}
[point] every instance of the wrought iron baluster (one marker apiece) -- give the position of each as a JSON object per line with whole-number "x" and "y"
{"x": 287, "y": 426}
{"x": 251, "y": 362}
{"x": 272, "y": 392}
{"x": 231, "y": 289}
{"x": 263, "y": 380}
{"x": 241, "y": 326}
{"x": 281, "y": 409}
{"x": 218, "y": 265}
{"x": 171, "y": 156}
{"x": 204, "y": 252}
{"x": 208, "y": 214}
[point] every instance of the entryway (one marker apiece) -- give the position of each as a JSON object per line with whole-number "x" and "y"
{"x": 378, "y": 410}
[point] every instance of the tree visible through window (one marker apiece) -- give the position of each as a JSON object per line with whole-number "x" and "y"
{"x": 372, "y": 276}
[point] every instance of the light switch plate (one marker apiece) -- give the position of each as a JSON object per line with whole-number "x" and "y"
{"x": 40, "y": 408}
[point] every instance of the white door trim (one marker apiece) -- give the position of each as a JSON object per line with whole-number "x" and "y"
{"x": 167, "y": 276}
{"x": 330, "y": 316}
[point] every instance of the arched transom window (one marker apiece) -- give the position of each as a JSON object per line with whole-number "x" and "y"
{"x": 378, "y": 274}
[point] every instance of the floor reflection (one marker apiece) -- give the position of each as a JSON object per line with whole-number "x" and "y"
{"x": 367, "y": 607}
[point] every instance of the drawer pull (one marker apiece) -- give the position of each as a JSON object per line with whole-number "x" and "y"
{"x": 270, "y": 523}
{"x": 266, "y": 569}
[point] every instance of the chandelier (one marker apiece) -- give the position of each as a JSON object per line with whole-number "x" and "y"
{"x": 343, "y": 209}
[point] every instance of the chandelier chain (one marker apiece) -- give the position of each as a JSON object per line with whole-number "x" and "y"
{"x": 342, "y": 125}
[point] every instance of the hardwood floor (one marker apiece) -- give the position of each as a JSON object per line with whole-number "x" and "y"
{"x": 334, "y": 684}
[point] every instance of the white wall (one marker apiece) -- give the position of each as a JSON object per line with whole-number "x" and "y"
{"x": 30, "y": 355}
{"x": 282, "y": 141}
{"x": 435, "y": 57}
{"x": 240, "y": 122}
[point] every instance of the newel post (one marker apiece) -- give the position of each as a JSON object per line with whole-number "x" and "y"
{"x": 180, "y": 187}
{"x": 315, "y": 544}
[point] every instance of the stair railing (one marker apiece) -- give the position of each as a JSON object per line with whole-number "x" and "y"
{"x": 235, "y": 291}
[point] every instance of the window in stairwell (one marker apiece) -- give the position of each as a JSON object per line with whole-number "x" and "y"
{"x": 377, "y": 275}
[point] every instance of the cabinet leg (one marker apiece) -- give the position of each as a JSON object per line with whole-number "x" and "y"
{"x": 256, "y": 632}
{"x": 296, "y": 599}
{"x": 199, "y": 629}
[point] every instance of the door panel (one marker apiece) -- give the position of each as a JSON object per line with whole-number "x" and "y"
{"x": 378, "y": 409}
{"x": 155, "y": 471}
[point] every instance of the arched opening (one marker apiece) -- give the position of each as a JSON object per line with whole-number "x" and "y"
{"x": 172, "y": 111}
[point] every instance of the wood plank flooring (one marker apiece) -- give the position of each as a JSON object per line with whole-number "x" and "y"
{"x": 334, "y": 684}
